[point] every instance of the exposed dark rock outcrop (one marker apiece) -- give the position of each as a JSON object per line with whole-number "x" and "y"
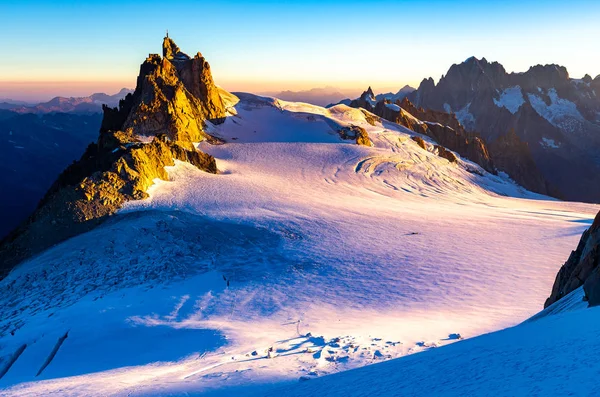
{"x": 366, "y": 100}
{"x": 581, "y": 268}
{"x": 444, "y": 128}
{"x": 419, "y": 141}
{"x": 151, "y": 128}
{"x": 357, "y": 134}
{"x": 512, "y": 155}
{"x": 445, "y": 153}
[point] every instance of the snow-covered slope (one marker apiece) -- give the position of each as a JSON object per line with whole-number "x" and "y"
{"x": 554, "y": 356}
{"x": 306, "y": 255}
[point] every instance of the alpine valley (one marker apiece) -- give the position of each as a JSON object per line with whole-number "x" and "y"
{"x": 407, "y": 243}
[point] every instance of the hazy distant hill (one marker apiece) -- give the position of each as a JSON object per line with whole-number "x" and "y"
{"x": 390, "y": 96}
{"x": 316, "y": 96}
{"x": 88, "y": 104}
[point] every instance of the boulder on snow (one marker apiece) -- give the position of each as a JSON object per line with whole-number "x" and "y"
{"x": 356, "y": 133}
{"x": 447, "y": 154}
{"x": 420, "y": 141}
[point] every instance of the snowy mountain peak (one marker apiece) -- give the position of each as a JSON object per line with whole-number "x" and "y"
{"x": 551, "y": 114}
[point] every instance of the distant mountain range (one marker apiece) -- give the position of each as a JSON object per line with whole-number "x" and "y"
{"x": 330, "y": 96}
{"x": 88, "y": 104}
{"x": 315, "y": 96}
{"x": 388, "y": 96}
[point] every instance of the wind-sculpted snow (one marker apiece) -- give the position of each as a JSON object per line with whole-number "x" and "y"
{"x": 304, "y": 256}
{"x": 553, "y": 356}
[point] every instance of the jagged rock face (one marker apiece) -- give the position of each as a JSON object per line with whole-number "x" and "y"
{"x": 196, "y": 77}
{"x": 556, "y": 116}
{"x": 581, "y": 268}
{"x": 442, "y": 127}
{"x": 174, "y": 95}
{"x": 512, "y": 155}
{"x": 366, "y": 100}
{"x": 445, "y": 153}
{"x": 171, "y": 50}
{"x": 109, "y": 180}
{"x": 447, "y": 131}
{"x": 173, "y": 99}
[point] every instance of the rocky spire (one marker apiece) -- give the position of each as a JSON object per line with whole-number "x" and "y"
{"x": 171, "y": 51}
{"x": 175, "y": 95}
{"x": 174, "y": 98}
{"x": 366, "y": 100}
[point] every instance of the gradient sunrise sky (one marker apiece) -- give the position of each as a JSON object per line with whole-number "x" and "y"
{"x": 78, "y": 47}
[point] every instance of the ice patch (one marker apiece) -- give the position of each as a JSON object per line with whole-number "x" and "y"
{"x": 549, "y": 143}
{"x": 561, "y": 113}
{"x": 511, "y": 99}
{"x": 465, "y": 117}
{"x": 392, "y": 106}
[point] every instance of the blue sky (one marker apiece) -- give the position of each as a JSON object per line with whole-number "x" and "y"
{"x": 270, "y": 45}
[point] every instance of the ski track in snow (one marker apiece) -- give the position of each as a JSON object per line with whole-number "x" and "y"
{"x": 307, "y": 255}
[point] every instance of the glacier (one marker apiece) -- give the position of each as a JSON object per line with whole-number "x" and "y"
{"x": 305, "y": 256}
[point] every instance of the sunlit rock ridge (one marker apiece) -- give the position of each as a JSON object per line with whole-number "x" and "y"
{"x": 175, "y": 97}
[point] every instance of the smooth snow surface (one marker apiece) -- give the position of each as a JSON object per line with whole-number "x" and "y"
{"x": 305, "y": 256}
{"x": 511, "y": 99}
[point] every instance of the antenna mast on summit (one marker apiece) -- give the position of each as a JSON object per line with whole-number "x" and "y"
{"x": 167, "y": 33}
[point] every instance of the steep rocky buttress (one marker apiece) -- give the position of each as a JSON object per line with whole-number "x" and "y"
{"x": 443, "y": 127}
{"x": 581, "y": 269}
{"x": 174, "y": 98}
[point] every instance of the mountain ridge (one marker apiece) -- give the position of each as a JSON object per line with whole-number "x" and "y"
{"x": 556, "y": 117}
{"x": 88, "y": 104}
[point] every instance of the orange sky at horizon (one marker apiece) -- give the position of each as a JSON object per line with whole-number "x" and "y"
{"x": 46, "y": 90}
